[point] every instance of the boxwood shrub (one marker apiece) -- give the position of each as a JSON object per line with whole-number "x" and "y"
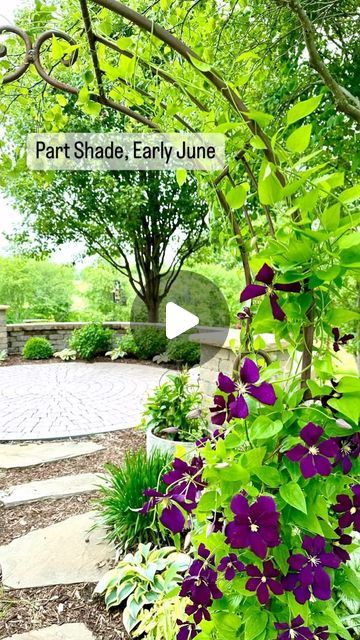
{"x": 37, "y": 349}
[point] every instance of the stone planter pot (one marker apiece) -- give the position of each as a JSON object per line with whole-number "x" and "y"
{"x": 153, "y": 443}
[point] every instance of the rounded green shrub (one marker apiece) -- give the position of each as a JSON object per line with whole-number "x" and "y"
{"x": 182, "y": 350}
{"x": 150, "y": 342}
{"x": 37, "y": 349}
{"x": 91, "y": 340}
{"x": 128, "y": 345}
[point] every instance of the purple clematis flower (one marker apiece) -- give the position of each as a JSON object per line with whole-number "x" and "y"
{"x": 314, "y": 458}
{"x": 294, "y": 630}
{"x": 350, "y": 509}
{"x": 187, "y": 630}
{"x": 213, "y": 437}
{"x": 255, "y": 526}
{"x": 186, "y": 479}
{"x": 198, "y": 611}
{"x": 266, "y": 275}
{"x": 172, "y": 516}
{"x": 235, "y": 406}
{"x": 264, "y": 582}
{"x": 216, "y": 522}
{"x": 343, "y": 539}
{"x": 200, "y": 582}
{"x": 321, "y": 633}
{"x": 338, "y": 341}
{"x": 309, "y": 575}
{"x": 230, "y": 564}
{"x": 349, "y": 448}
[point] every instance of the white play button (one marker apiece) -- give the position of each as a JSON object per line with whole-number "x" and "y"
{"x": 178, "y": 320}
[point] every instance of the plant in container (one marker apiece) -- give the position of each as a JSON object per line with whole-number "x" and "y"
{"x": 173, "y": 415}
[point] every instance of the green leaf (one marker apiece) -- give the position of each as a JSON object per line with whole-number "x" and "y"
{"x": 255, "y": 624}
{"x": 293, "y": 495}
{"x": 303, "y": 109}
{"x": 257, "y": 143}
{"x": 237, "y": 195}
{"x": 349, "y": 195}
{"x": 341, "y": 315}
{"x": 348, "y": 405}
{"x": 261, "y": 118}
{"x": 299, "y": 139}
{"x": 264, "y": 427}
{"x": 270, "y": 189}
{"x": 349, "y": 384}
{"x": 330, "y": 219}
{"x": 181, "y": 175}
{"x": 269, "y": 476}
{"x": 200, "y": 64}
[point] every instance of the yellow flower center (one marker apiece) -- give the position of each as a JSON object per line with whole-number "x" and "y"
{"x": 314, "y": 560}
{"x": 313, "y": 450}
{"x": 353, "y": 510}
{"x": 263, "y": 579}
{"x": 254, "y": 527}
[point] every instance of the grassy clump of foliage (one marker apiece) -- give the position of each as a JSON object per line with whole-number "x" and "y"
{"x": 123, "y": 492}
{"x": 90, "y": 341}
{"x": 37, "y": 349}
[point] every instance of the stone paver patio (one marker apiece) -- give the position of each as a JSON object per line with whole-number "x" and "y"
{"x": 72, "y": 399}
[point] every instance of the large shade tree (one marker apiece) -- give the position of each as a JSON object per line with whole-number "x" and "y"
{"x": 142, "y": 223}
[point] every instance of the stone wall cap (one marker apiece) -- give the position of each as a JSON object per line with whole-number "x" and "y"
{"x": 56, "y": 326}
{"x": 4, "y": 307}
{"x": 224, "y": 338}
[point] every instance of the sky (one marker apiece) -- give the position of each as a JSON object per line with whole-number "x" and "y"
{"x": 9, "y": 218}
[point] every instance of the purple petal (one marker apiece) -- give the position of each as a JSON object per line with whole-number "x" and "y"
{"x": 321, "y": 585}
{"x": 249, "y": 371}
{"x": 276, "y": 309}
{"x": 329, "y": 448}
{"x": 314, "y": 545}
{"x": 262, "y": 506}
{"x": 239, "y": 505}
{"x": 322, "y": 465}
{"x": 230, "y": 573}
{"x": 302, "y": 594}
{"x": 266, "y": 274}
{"x": 252, "y": 291}
{"x": 293, "y": 287}
{"x": 296, "y": 453}
{"x": 307, "y": 466}
{"x": 218, "y": 418}
{"x": 311, "y": 433}
{"x": 336, "y": 333}
{"x": 263, "y": 392}
{"x": 330, "y": 560}
{"x": 172, "y": 518}
{"x": 276, "y": 587}
{"x": 252, "y": 584}
{"x": 257, "y": 545}
{"x": 263, "y": 593}
{"x": 297, "y": 561}
{"x": 239, "y": 408}
{"x": 225, "y": 383}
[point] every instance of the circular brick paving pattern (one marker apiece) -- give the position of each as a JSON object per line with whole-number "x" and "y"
{"x": 72, "y": 399}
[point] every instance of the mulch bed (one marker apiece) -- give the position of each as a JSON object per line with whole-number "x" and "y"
{"x": 27, "y": 609}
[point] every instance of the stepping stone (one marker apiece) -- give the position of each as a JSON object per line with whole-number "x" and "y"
{"x": 61, "y": 487}
{"x": 16, "y": 456}
{"x": 73, "y": 631}
{"x": 62, "y": 553}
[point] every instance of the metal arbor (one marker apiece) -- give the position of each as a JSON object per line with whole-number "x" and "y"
{"x": 220, "y": 88}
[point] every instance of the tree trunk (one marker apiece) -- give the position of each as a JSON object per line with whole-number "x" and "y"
{"x": 153, "y": 307}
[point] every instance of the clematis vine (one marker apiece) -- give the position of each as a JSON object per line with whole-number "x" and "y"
{"x": 340, "y": 340}
{"x": 186, "y": 479}
{"x": 308, "y": 577}
{"x": 294, "y": 630}
{"x": 349, "y": 450}
{"x": 255, "y": 526}
{"x": 266, "y": 276}
{"x": 231, "y": 565}
{"x": 344, "y": 539}
{"x": 187, "y": 630}
{"x": 200, "y": 585}
{"x": 235, "y": 406}
{"x": 349, "y": 507}
{"x": 315, "y": 457}
{"x": 262, "y": 582}
{"x": 172, "y": 516}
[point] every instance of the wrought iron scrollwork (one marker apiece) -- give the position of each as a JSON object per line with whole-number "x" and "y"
{"x": 33, "y": 56}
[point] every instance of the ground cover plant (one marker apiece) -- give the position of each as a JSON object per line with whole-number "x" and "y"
{"x": 37, "y": 349}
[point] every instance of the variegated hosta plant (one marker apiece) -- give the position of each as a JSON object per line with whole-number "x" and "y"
{"x": 141, "y": 579}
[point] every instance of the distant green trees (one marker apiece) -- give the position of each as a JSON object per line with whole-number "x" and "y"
{"x": 36, "y": 289}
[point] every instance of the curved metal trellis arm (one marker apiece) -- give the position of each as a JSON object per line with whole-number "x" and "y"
{"x": 33, "y": 56}
{"x": 19, "y": 71}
